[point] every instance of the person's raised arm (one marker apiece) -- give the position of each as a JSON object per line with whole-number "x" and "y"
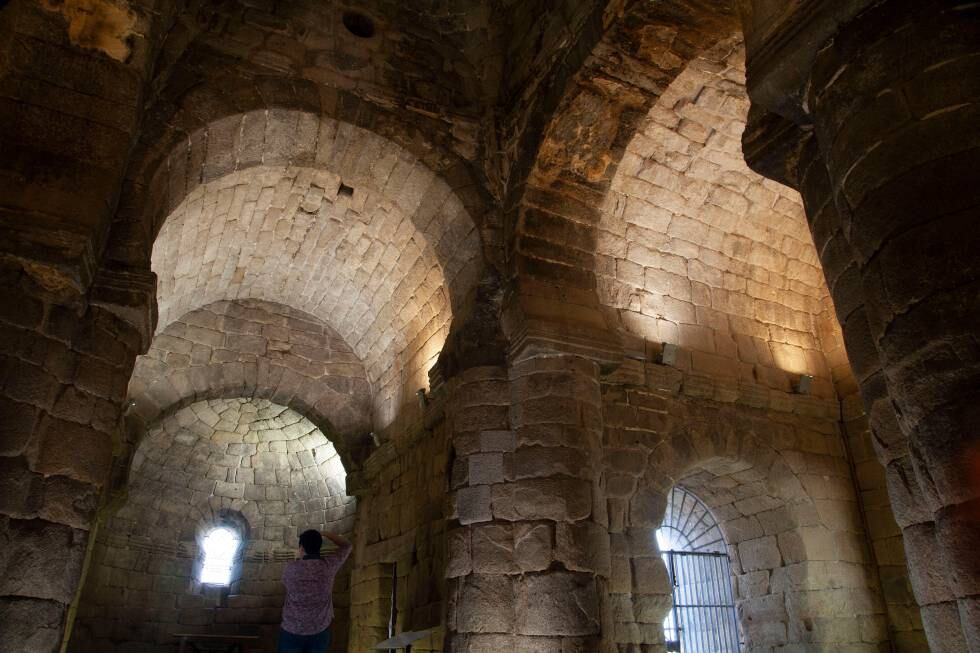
{"x": 340, "y": 541}
{"x": 343, "y": 545}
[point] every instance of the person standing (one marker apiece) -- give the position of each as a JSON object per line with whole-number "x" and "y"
{"x": 308, "y": 609}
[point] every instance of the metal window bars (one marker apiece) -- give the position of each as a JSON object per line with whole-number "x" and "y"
{"x": 702, "y": 618}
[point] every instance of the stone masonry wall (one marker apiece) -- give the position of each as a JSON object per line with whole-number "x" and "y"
{"x": 261, "y": 462}
{"x": 870, "y": 418}
{"x": 772, "y": 468}
{"x": 253, "y": 348}
{"x": 63, "y": 372}
{"x": 885, "y": 536}
{"x": 698, "y": 250}
{"x": 401, "y": 531}
{"x": 904, "y": 616}
{"x": 383, "y": 259}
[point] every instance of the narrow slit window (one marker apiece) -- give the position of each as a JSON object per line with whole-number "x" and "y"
{"x": 220, "y": 550}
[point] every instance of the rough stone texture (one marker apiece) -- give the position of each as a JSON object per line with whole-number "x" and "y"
{"x": 772, "y": 468}
{"x": 248, "y": 457}
{"x": 253, "y": 348}
{"x": 401, "y": 533}
{"x": 532, "y": 550}
{"x": 908, "y": 286}
{"x": 30, "y": 625}
{"x": 71, "y": 112}
{"x": 697, "y": 250}
{"x": 893, "y": 278}
{"x": 63, "y": 372}
{"x": 383, "y": 264}
{"x": 621, "y": 64}
{"x": 537, "y": 194}
{"x": 884, "y": 533}
{"x": 872, "y": 430}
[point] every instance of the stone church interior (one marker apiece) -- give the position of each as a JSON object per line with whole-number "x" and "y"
{"x": 614, "y": 326}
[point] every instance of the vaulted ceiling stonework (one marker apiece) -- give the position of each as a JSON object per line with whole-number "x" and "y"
{"x": 593, "y": 326}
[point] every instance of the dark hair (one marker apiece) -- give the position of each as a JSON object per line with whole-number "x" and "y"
{"x": 311, "y": 541}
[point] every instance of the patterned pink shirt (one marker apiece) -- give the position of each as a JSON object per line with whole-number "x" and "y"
{"x": 308, "y": 608}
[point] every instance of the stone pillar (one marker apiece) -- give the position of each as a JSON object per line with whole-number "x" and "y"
{"x": 892, "y": 98}
{"x": 843, "y": 275}
{"x": 71, "y": 100}
{"x": 64, "y": 367}
{"x": 530, "y": 558}
{"x": 899, "y": 128}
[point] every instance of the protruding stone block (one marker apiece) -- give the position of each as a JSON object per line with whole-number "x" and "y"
{"x": 485, "y": 468}
{"x": 473, "y": 504}
{"x": 459, "y": 558}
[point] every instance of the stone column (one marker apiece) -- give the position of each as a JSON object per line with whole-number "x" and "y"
{"x": 71, "y": 100}
{"x": 895, "y": 106}
{"x": 530, "y": 558}
{"x": 64, "y": 368}
{"x": 892, "y": 97}
{"x": 843, "y": 275}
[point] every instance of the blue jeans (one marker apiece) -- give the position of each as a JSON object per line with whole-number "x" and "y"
{"x": 318, "y": 643}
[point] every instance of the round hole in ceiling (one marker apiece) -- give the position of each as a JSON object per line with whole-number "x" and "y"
{"x": 358, "y": 24}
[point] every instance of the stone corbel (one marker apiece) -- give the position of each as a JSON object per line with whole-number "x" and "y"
{"x": 130, "y": 295}
{"x": 782, "y": 40}
{"x": 58, "y": 260}
{"x": 772, "y": 146}
{"x": 475, "y": 338}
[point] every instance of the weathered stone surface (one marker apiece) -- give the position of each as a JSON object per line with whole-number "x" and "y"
{"x": 486, "y": 604}
{"x": 761, "y": 553}
{"x": 69, "y": 502}
{"x": 485, "y": 468}
{"x": 559, "y": 603}
{"x": 40, "y": 559}
{"x": 318, "y": 373}
{"x": 533, "y": 548}
{"x": 460, "y": 557}
{"x": 30, "y": 624}
{"x": 503, "y": 441}
{"x": 651, "y": 608}
{"x": 473, "y": 504}
{"x": 583, "y": 546}
{"x": 493, "y": 549}
{"x": 73, "y": 450}
{"x": 537, "y": 462}
{"x": 650, "y": 576}
{"x": 554, "y": 499}
{"x": 647, "y": 506}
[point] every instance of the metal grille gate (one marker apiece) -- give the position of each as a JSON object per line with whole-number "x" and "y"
{"x": 702, "y": 619}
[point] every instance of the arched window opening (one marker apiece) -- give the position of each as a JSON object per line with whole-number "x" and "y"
{"x": 220, "y": 546}
{"x": 702, "y": 618}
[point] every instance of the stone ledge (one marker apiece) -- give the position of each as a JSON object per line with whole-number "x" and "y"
{"x": 663, "y": 379}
